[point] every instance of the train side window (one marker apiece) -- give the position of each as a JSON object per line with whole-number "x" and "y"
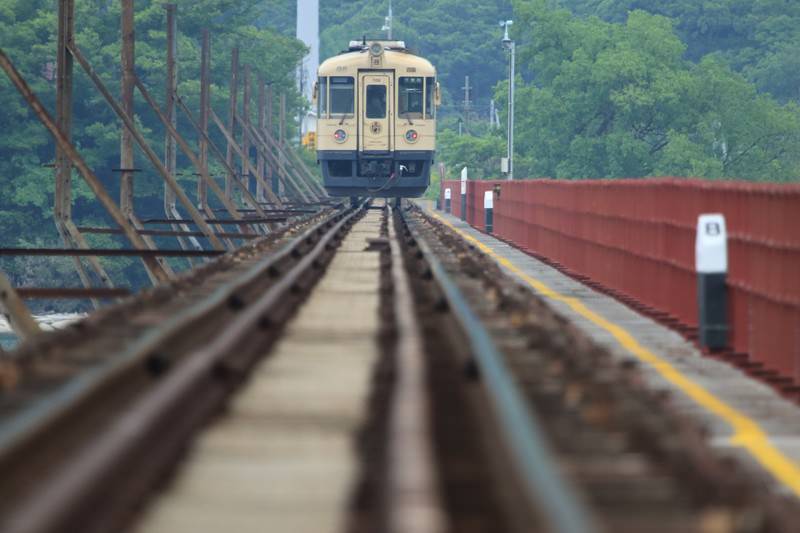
{"x": 376, "y": 101}
{"x": 342, "y": 95}
{"x": 430, "y": 88}
{"x": 410, "y": 97}
{"x": 322, "y": 98}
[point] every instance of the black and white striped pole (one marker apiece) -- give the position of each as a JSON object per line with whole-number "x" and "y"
{"x": 447, "y": 195}
{"x": 464, "y": 193}
{"x": 711, "y": 263}
{"x": 488, "y": 209}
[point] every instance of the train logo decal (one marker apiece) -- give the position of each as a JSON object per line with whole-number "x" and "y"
{"x": 375, "y": 128}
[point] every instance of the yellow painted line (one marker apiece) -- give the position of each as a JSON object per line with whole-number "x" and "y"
{"x": 746, "y": 433}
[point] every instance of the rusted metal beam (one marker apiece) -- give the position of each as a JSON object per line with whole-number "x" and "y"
{"x": 77, "y": 161}
{"x": 260, "y": 159}
{"x": 205, "y": 104}
{"x": 214, "y": 149}
{"x": 128, "y": 58}
{"x": 266, "y": 144}
{"x": 282, "y": 120}
{"x": 15, "y": 311}
{"x": 232, "y": 106}
{"x": 269, "y": 130}
{"x": 126, "y": 157}
{"x": 290, "y": 159}
{"x": 62, "y": 205}
{"x": 62, "y": 293}
{"x": 226, "y": 200}
{"x": 105, "y": 252}
{"x": 301, "y": 165}
{"x": 253, "y": 220}
{"x": 246, "y": 162}
{"x": 167, "y": 233}
{"x": 151, "y": 155}
{"x": 170, "y": 150}
{"x": 284, "y": 173}
{"x": 232, "y": 144}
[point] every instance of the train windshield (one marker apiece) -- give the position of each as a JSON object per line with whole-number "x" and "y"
{"x": 376, "y": 101}
{"x": 322, "y": 98}
{"x": 410, "y": 96}
{"x": 430, "y": 87}
{"x": 342, "y": 95}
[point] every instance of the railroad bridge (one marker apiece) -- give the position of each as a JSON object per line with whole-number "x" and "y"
{"x": 534, "y": 355}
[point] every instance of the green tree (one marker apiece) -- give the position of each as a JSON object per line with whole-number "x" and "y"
{"x": 619, "y": 99}
{"x": 27, "y": 35}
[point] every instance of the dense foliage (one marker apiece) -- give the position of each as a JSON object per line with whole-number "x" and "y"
{"x": 760, "y": 38}
{"x": 604, "y": 99}
{"x": 28, "y": 34}
{"x": 617, "y": 88}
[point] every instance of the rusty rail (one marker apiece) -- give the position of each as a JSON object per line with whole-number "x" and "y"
{"x": 187, "y": 384}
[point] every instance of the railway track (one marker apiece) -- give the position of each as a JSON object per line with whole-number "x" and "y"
{"x": 630, "y": 462}
{"x": 484, "y": 411}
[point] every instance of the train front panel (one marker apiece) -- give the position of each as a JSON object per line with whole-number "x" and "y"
{"x": 376, "y": 127}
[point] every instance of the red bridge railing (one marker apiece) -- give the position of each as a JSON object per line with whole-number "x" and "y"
{"x": 635, "y": 238}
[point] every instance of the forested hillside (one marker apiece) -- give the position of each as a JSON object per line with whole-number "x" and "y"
{"x": 760, "y": 38}
{"x": 608, "y": 99}
{"x": 637, "y": 95}
{"x": 28, "y": 34}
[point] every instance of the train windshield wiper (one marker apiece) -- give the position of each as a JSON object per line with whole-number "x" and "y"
{"x": 407, "y": 117}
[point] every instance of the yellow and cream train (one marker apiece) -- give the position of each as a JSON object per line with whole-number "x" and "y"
{"x": 376, "y": 120}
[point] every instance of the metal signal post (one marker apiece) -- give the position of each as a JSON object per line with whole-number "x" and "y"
{"x": 511, "y": 46}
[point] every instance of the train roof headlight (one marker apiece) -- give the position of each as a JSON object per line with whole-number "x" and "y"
{"x": 340, "y": 136}
{"x": 376, "y": 49}
{"x": 412, "y": 136}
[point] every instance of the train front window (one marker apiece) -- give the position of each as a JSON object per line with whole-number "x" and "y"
{"x": 410, "y": 96}
{"x": 376, "y": 101}
{"x": 430, "y": 87}
{"x": 322, "y": 98}
{"x": 342, "y": 95}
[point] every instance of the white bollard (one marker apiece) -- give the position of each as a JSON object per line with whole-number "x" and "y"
{"x": 464, "y": 193}
{"x": 711, "y": 264}
{"x": 488, "y": 209}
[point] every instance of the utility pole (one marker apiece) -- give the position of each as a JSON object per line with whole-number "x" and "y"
{"x": 467, "y": 102}
{"x": 511, "y": 46}
{"x": 387, "y": 22}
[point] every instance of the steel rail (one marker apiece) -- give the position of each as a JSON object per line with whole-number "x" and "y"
{"x": 71, "y": 496}
{"x": 545, "y": 488}
{"x": 176, "y": 324}
{"x": 413, "y": 500}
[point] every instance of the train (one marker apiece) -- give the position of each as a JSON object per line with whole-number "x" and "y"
{"x": 376, "y": 120}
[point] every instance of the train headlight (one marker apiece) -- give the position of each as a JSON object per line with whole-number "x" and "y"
{"x": 340, "y": 136}
{"x": 412, "y": 136}
{"x": 376, "y": 49}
